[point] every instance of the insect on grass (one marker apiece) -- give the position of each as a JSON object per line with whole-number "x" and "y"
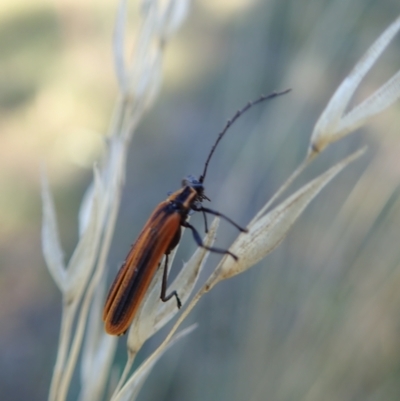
{"x": 160, "y": 235}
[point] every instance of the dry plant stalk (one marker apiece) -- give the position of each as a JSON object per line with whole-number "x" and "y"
{"x": 82, "y": 280}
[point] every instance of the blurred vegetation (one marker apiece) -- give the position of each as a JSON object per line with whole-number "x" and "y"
{"x": 319, "y": 319}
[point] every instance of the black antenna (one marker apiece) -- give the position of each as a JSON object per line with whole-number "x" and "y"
{"x": 232, "y": 120}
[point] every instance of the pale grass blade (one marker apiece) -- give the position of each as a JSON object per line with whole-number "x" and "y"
{"x": 331, "y": 126}
{"x": 51, "y": 245}
{"x": 269, "y": 231}
{"x": 132, "y": 387}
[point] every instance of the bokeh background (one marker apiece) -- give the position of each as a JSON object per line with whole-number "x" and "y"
{"x": 319, "y": 319}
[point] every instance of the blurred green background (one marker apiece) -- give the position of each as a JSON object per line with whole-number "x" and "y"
{"x": 319, "y": 319}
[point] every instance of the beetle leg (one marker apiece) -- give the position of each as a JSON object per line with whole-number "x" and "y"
{"x": 199, "y": 242}
{"x": 215, "y": 213}
{"x": 164, "y": 297}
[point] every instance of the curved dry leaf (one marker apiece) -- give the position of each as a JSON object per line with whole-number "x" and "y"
{"x": 148, "y": 77}
{"x": 268, "y": 232}
{"x": 154, "y": 80}
{"x": 51, "y": 245}
{"x": 97, "y": 352}
{"x": 109, "y": 180}
{"x": 114, "y": 173}
{"x": 85, "y": 209}
{"x": 92, "y": 333}
{"x": 112, "y": 178}
{"x": 82, "y": 260}
{"x": 380, "y": 100}
{"x": 161, "y": 20}
{"x": 331, "y": 126}
{"x": 132, "y": 387}
{"x": 137, "y": 73}
{"x": 95, "y": 379}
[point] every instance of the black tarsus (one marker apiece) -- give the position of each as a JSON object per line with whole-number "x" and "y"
{"x": 163, "y": 295}
{"x": 233, "y": 119}
{"x": 199, "y": 242}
